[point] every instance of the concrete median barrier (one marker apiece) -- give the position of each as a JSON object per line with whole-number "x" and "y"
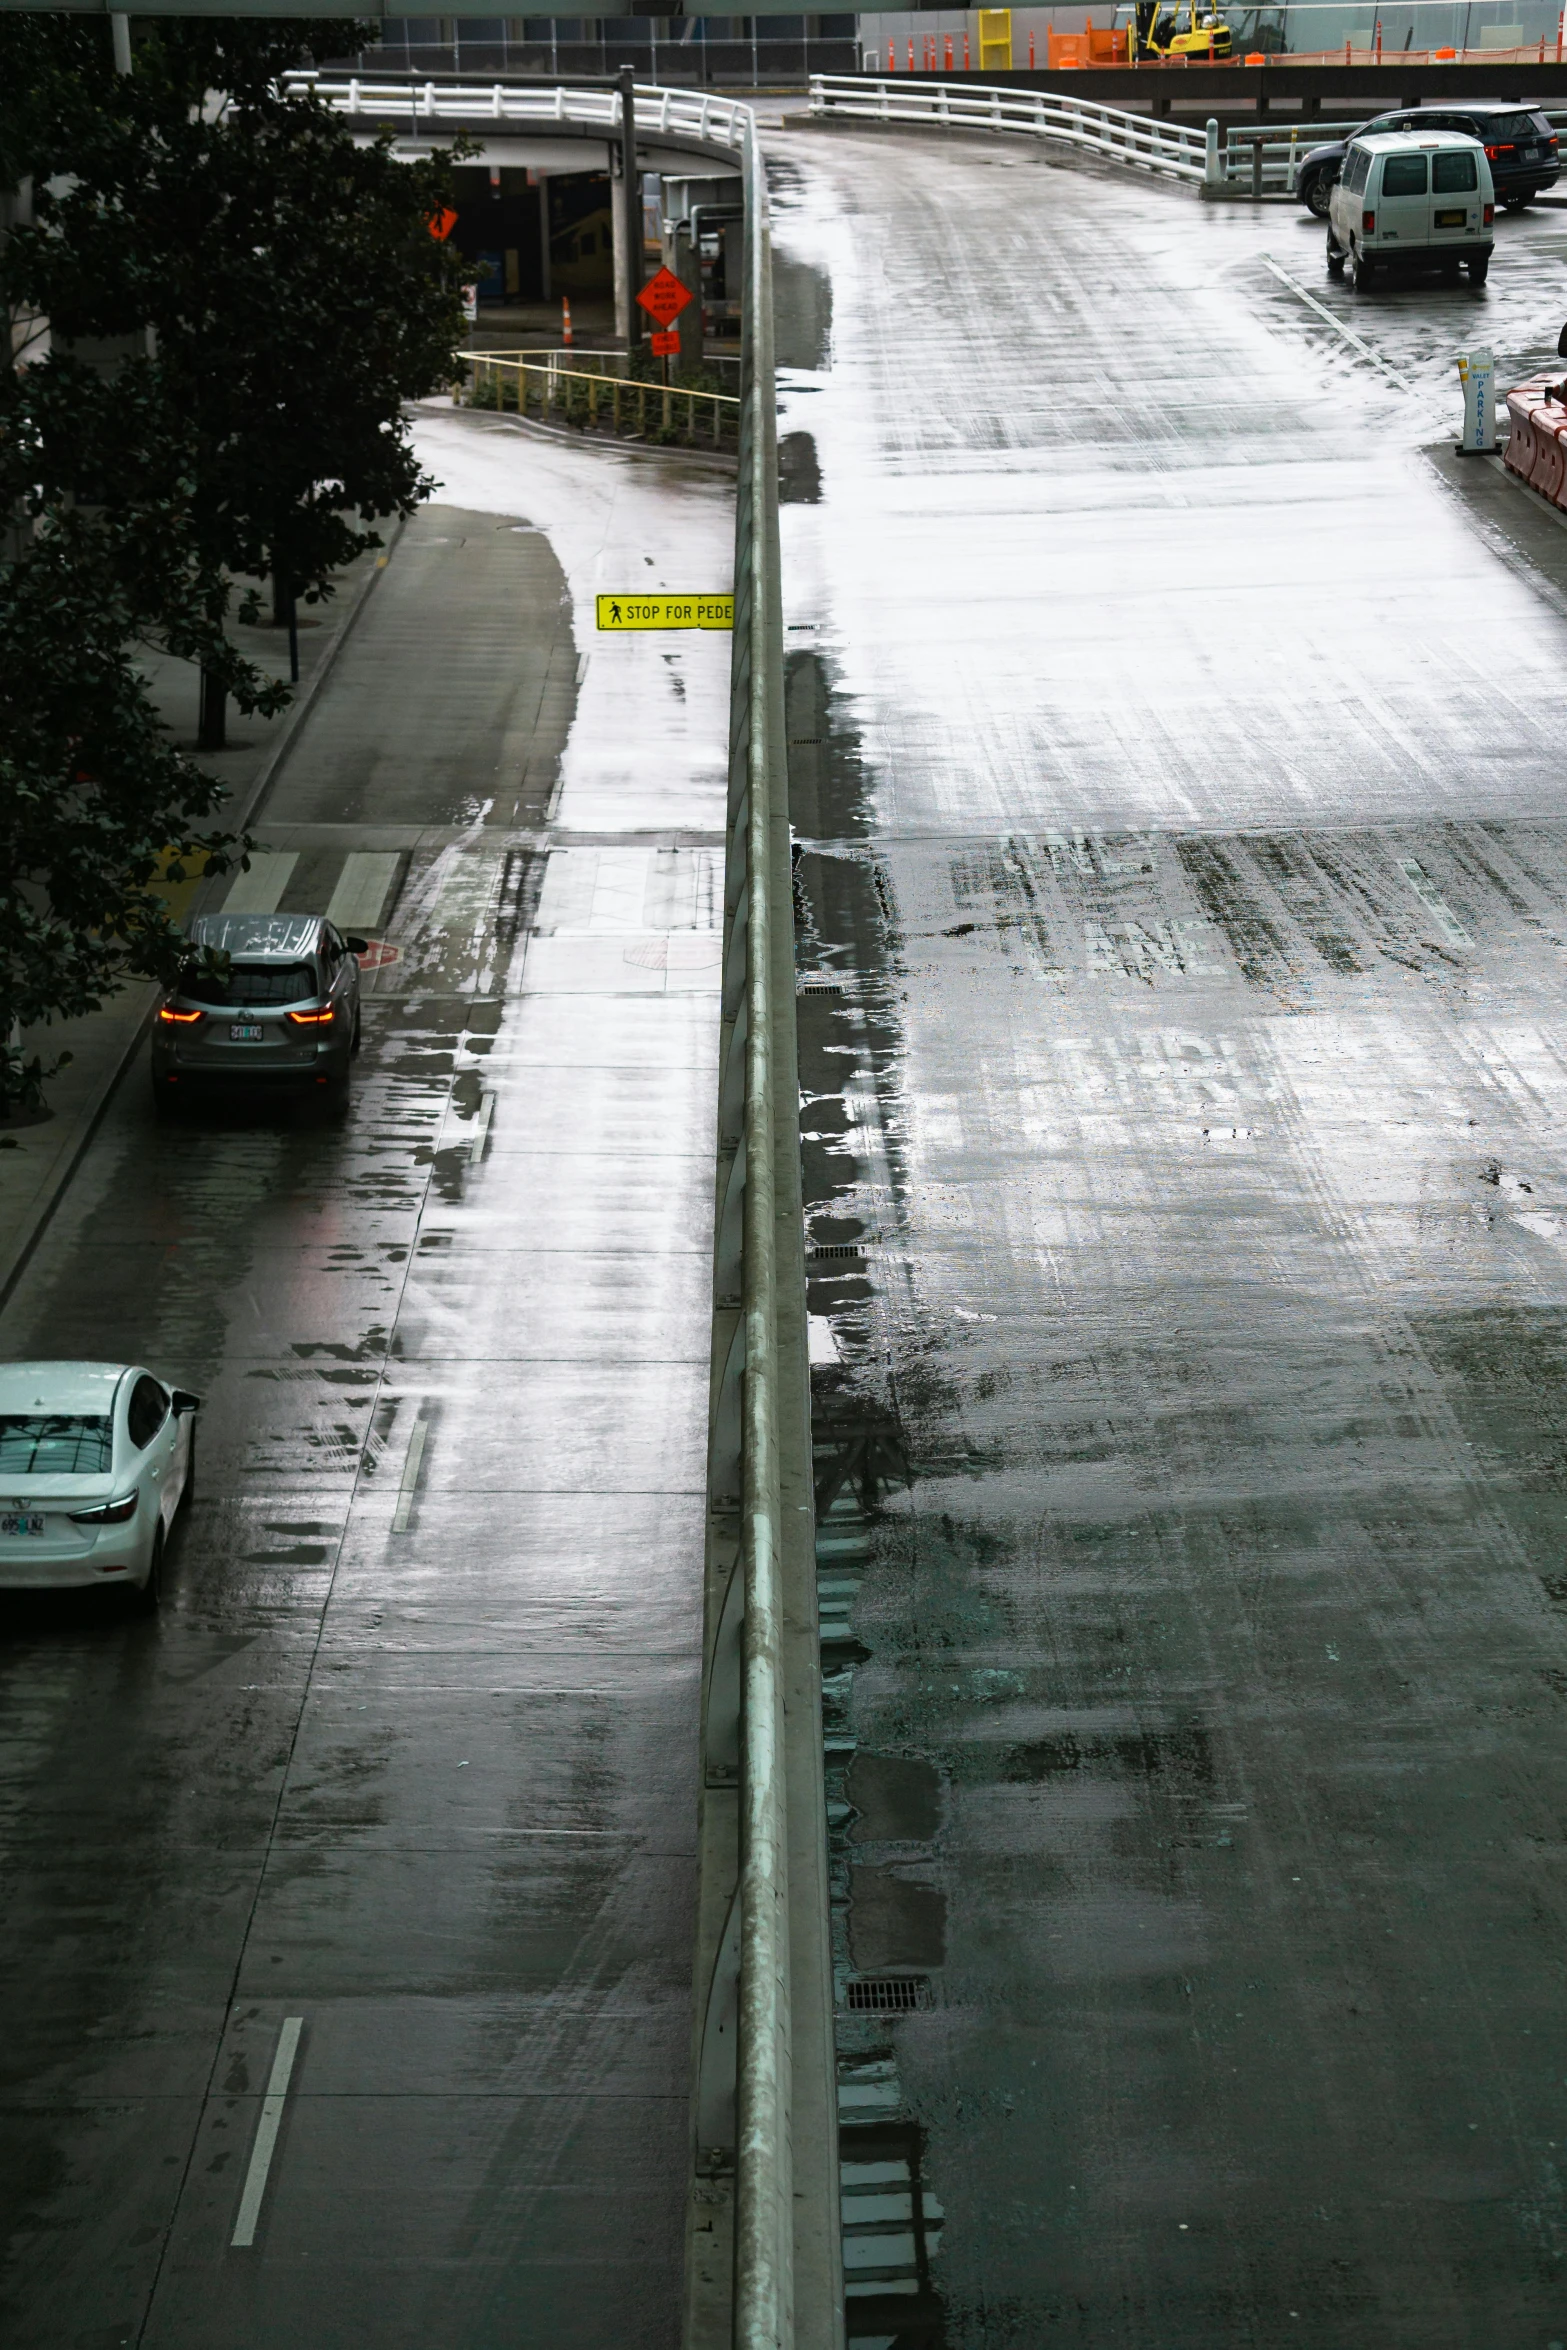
{"x": 1537, "y": 440}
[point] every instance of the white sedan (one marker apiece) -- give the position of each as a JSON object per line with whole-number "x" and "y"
{"x": 95, "y": 1458}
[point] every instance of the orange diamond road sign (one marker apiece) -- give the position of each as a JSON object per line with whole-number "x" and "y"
{"x": 442, "y": 223}
{"x": 664, "y": 297}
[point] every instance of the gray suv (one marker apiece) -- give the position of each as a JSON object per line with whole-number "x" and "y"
{"x": 284, "y": 1012}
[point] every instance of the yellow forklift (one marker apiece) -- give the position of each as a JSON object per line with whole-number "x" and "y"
{"x": 1157, "y": 33}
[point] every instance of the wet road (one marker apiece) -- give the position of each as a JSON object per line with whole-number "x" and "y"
{"x": 1184, "y": 910}
{"x": 410, "y": 1754}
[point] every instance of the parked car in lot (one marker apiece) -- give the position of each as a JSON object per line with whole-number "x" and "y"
{"x": 95, "y": 1459}
{"x": 1406, "y": 202}
{"x": 1520, "y": 147}
{"x": 284, "y": 1013}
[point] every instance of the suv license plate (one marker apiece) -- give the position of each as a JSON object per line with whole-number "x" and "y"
{"x": 243, "y": 1032}
{"x": 32, "y": 1523}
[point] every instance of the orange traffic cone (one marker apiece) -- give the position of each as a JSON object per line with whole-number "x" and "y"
{"x": 565, "y": 321}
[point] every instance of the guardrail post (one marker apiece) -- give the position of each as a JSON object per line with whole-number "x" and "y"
{"x": 1212, "y": 169}
{"x": 1256, "y": 169}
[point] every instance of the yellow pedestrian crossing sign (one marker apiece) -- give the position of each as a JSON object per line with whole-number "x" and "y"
{"x": 666, "y": 612}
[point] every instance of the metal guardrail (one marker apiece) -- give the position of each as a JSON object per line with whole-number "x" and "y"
{"x": 690, "y": 114}
{"x": 584, "y": 395}
{"x": 1170, "y": 150}
{"x": 1260, "y": 161}
{"x": 764, "y": 2103}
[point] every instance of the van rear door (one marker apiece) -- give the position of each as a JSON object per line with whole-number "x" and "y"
{"x": 1403, "y": 201}
{"x": 1455, "y": 195}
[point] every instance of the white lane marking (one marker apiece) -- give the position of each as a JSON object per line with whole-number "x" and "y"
{"x": 266, "y": 2131}
{"x": 258, "y": 891}
{"x": 406, "y": 1491}
{"x": 1339, "y": 328}
{"x": 361, "y": 890}
{"x": 481, "y": 1129}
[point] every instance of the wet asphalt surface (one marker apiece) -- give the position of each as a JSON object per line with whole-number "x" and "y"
{"x": 410, "y": 1753}
{"x": 1177, "y": 749}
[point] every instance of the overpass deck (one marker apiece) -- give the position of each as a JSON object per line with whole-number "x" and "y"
{"x": 1176, "y": 755}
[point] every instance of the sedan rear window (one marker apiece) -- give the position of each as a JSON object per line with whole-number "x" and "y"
{"x": 1404, "y": 175}
{"x": 1451, "y": 175}
{"x": 253, "y": 983}
{"x": 54, "y": 1444}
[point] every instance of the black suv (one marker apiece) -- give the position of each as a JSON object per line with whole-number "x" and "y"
{"x": 1518, "y": 141}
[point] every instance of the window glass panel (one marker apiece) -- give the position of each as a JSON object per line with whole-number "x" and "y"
{"x": 253, "y": 983}
{"x": 1512, "y": 126}
{"x": 54, "y": 1444}
{"x": 1452, "y": 174}
{"x": 148, "y": 1407}
{"x": 1404, "y": 175}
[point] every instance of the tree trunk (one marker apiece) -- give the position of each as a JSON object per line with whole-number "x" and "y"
{"x": 212, "y": 731}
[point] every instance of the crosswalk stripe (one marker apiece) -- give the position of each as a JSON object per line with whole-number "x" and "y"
{"x": 258, "y": 891}
{"x": 360, "y": 896}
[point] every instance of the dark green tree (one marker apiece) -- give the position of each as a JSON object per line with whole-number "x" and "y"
{"x": 239, "y": 300}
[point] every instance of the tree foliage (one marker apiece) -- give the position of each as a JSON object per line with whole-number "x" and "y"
{"x": 222, "y": 301}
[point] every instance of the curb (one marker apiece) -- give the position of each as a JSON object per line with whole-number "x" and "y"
{"x": 563, "y": 436}
{"x": 42, "y": 1213}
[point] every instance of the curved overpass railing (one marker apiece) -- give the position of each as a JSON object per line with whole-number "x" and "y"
{"x": 691, "y": 114}
{"x": 1172, "y": 150}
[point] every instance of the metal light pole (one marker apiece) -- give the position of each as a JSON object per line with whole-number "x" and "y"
{"x": 631, "y": 198}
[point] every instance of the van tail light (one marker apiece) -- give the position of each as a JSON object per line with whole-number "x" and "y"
{"x": 111, "y": 1513}
{"x": 169, "y": 1018}
{"x": 311, "y": 1019}
{"x": 1490, "y": 214}
{"x": 1368, "y": 224}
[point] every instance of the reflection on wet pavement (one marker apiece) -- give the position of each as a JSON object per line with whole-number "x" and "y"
{"x": 1182, "y": 903}
{"x": 411, "y": 1751}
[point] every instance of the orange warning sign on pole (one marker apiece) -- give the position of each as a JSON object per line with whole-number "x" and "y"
{"x": 441, "y": 224}
{"x": 664, "y": 297}
{"x": 665, "y": 343}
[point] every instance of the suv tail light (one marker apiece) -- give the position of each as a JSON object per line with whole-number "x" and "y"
{"x": 1508, "y": 147}
{"x": 311, "y": 1019}
{"x": 169, "y": 1018}
{"x": 1368, "y": 224}
{"x": 110, "y": 1513}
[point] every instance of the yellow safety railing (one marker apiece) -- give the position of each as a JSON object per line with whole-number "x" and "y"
{"x": 597, "y": 398}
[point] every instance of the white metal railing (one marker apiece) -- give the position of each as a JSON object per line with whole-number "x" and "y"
{"x": 425, "y": 104}
{"x": 1172, "y": 150}
{"x": 1263, "y": 159}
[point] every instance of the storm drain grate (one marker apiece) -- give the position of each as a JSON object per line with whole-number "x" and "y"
{"x": 890, "y": 1994}
{"x": 817, "y": 983}
{"x": 836, "y": 1248}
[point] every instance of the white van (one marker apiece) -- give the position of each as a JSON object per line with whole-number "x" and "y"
{"x": 1423, "y": 199}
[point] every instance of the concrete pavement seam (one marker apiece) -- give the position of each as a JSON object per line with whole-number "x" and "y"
{"x": 43, "y": 1210}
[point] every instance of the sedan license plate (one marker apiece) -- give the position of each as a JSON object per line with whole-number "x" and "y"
{"x": 28, "y": 1522}
{"x": 244, "y": 1032}
{"x": 1450, "y": 220}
